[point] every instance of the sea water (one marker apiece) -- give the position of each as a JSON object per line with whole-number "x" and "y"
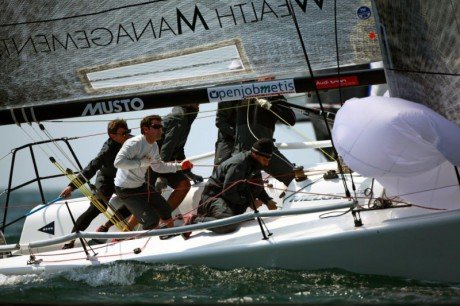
{"x": 137, "y": 283}
{"x": 141, "y": 283}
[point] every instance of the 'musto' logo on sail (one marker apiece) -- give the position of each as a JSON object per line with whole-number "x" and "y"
{"x": 116, "y": 106}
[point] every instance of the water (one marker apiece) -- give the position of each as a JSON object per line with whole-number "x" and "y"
{"x": 140, "y": 283}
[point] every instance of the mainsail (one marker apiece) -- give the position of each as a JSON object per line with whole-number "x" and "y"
{"x": 421, "y": 49}
{"x": 97, "y": 57}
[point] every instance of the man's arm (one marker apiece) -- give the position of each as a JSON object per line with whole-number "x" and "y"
{"x": 286, "y": 113}
{"x": 158, "y": 165}
{"x": 236, "y": 194}
{"x": 126, "y": 157}
{"x": 93, "y": 166}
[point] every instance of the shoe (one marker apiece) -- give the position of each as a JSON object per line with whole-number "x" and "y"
{"x": 186, "y": 235}
{"x": 102, "y": 229}
{"x": 68, "y": 245}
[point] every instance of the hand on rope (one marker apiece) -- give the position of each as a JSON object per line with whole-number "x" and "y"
{"x": 160, "y": 184}
{"x": 66, "y": 192}
{"x": 264, "y": 103}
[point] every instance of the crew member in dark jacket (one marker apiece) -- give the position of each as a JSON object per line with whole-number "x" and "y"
{"x": 102, "y": 164}
{"x": 221, "y": 200}
{"x": 177, "y": 126}
{"x": 226, "y": 123}
{"x": 263, "y": 115}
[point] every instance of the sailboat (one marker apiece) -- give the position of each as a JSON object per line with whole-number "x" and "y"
{"x": 403, "y": 214}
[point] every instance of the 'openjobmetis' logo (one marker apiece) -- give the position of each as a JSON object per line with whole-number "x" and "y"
{"x": 239, "y": 92}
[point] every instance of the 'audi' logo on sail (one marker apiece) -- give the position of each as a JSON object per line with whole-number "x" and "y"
{"x": 115, "y": 106}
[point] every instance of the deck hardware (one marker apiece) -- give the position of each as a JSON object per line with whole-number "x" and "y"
{"x": 330, "y": 174}
{"x": 33, "y": 261}
{"x": 357, "y": 218}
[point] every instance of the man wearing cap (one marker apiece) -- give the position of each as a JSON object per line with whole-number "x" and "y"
{"x": 102, "y": 164}
{"x": 227, "y": 194}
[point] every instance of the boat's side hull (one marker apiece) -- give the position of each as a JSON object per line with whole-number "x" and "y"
{"x": 417, "y": 247}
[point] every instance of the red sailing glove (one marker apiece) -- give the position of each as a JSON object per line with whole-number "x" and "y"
{"x": 186, "y": 164}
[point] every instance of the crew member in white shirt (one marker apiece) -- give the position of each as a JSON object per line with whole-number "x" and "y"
{"x": 134, "y": 158}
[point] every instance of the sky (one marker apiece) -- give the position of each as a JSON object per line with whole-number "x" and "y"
{"x": 93, "y": 133}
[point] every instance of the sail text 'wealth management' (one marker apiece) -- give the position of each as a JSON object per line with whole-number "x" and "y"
{"x": 50, "y": 37}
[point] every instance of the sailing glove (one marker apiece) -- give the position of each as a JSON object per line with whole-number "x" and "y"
{"x": 264, "y": 103}
{"x": 186, "y": 164}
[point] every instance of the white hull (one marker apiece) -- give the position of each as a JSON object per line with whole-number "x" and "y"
{"x": 408, "y": 242}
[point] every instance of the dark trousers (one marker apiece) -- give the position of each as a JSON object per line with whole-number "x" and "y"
{"x": 147, "y": 205}
{"x": 92, "y": 212}
{"x": 224, "y": 149}
{"x": 104, "y": 194}
{"x": 215, "y": 209}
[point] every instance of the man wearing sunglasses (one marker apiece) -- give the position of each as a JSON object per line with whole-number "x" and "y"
{"x": 137, "y": 155}
{"x": 177, "y": 126}
{"x": 102, "y": 164}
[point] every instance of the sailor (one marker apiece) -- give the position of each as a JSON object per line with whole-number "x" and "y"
{"x": 226, "y": 123}
{"x": 102, "y": 164}
{"x": 227, "y": 194}
{"x": 255, "y": 119}
{"x": 177, "y": 126}
{"x": 134, "y": 158}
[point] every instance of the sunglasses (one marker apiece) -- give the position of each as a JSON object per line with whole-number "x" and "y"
{"x": 156, "y": 126}
{"x": 124, "y": 133}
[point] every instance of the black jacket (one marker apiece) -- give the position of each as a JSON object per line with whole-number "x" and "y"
{"x": 239, "y": 197}
{"x": 177, "y": 126}
{"x": 103, "y": 162}
{"x": 261, "y": 121}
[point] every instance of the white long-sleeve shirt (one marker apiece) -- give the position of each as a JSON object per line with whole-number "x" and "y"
{"x": 130, "y": 170}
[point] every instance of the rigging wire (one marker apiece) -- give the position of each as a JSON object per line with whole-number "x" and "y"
{"x": 257, "y": 138}
{"x": 353, "y": 187}
{"x": 294, "y": 18}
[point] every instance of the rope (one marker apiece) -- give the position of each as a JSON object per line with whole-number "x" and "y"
{"x": 294, "y": 18}
{"x": 114, "y": 218}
